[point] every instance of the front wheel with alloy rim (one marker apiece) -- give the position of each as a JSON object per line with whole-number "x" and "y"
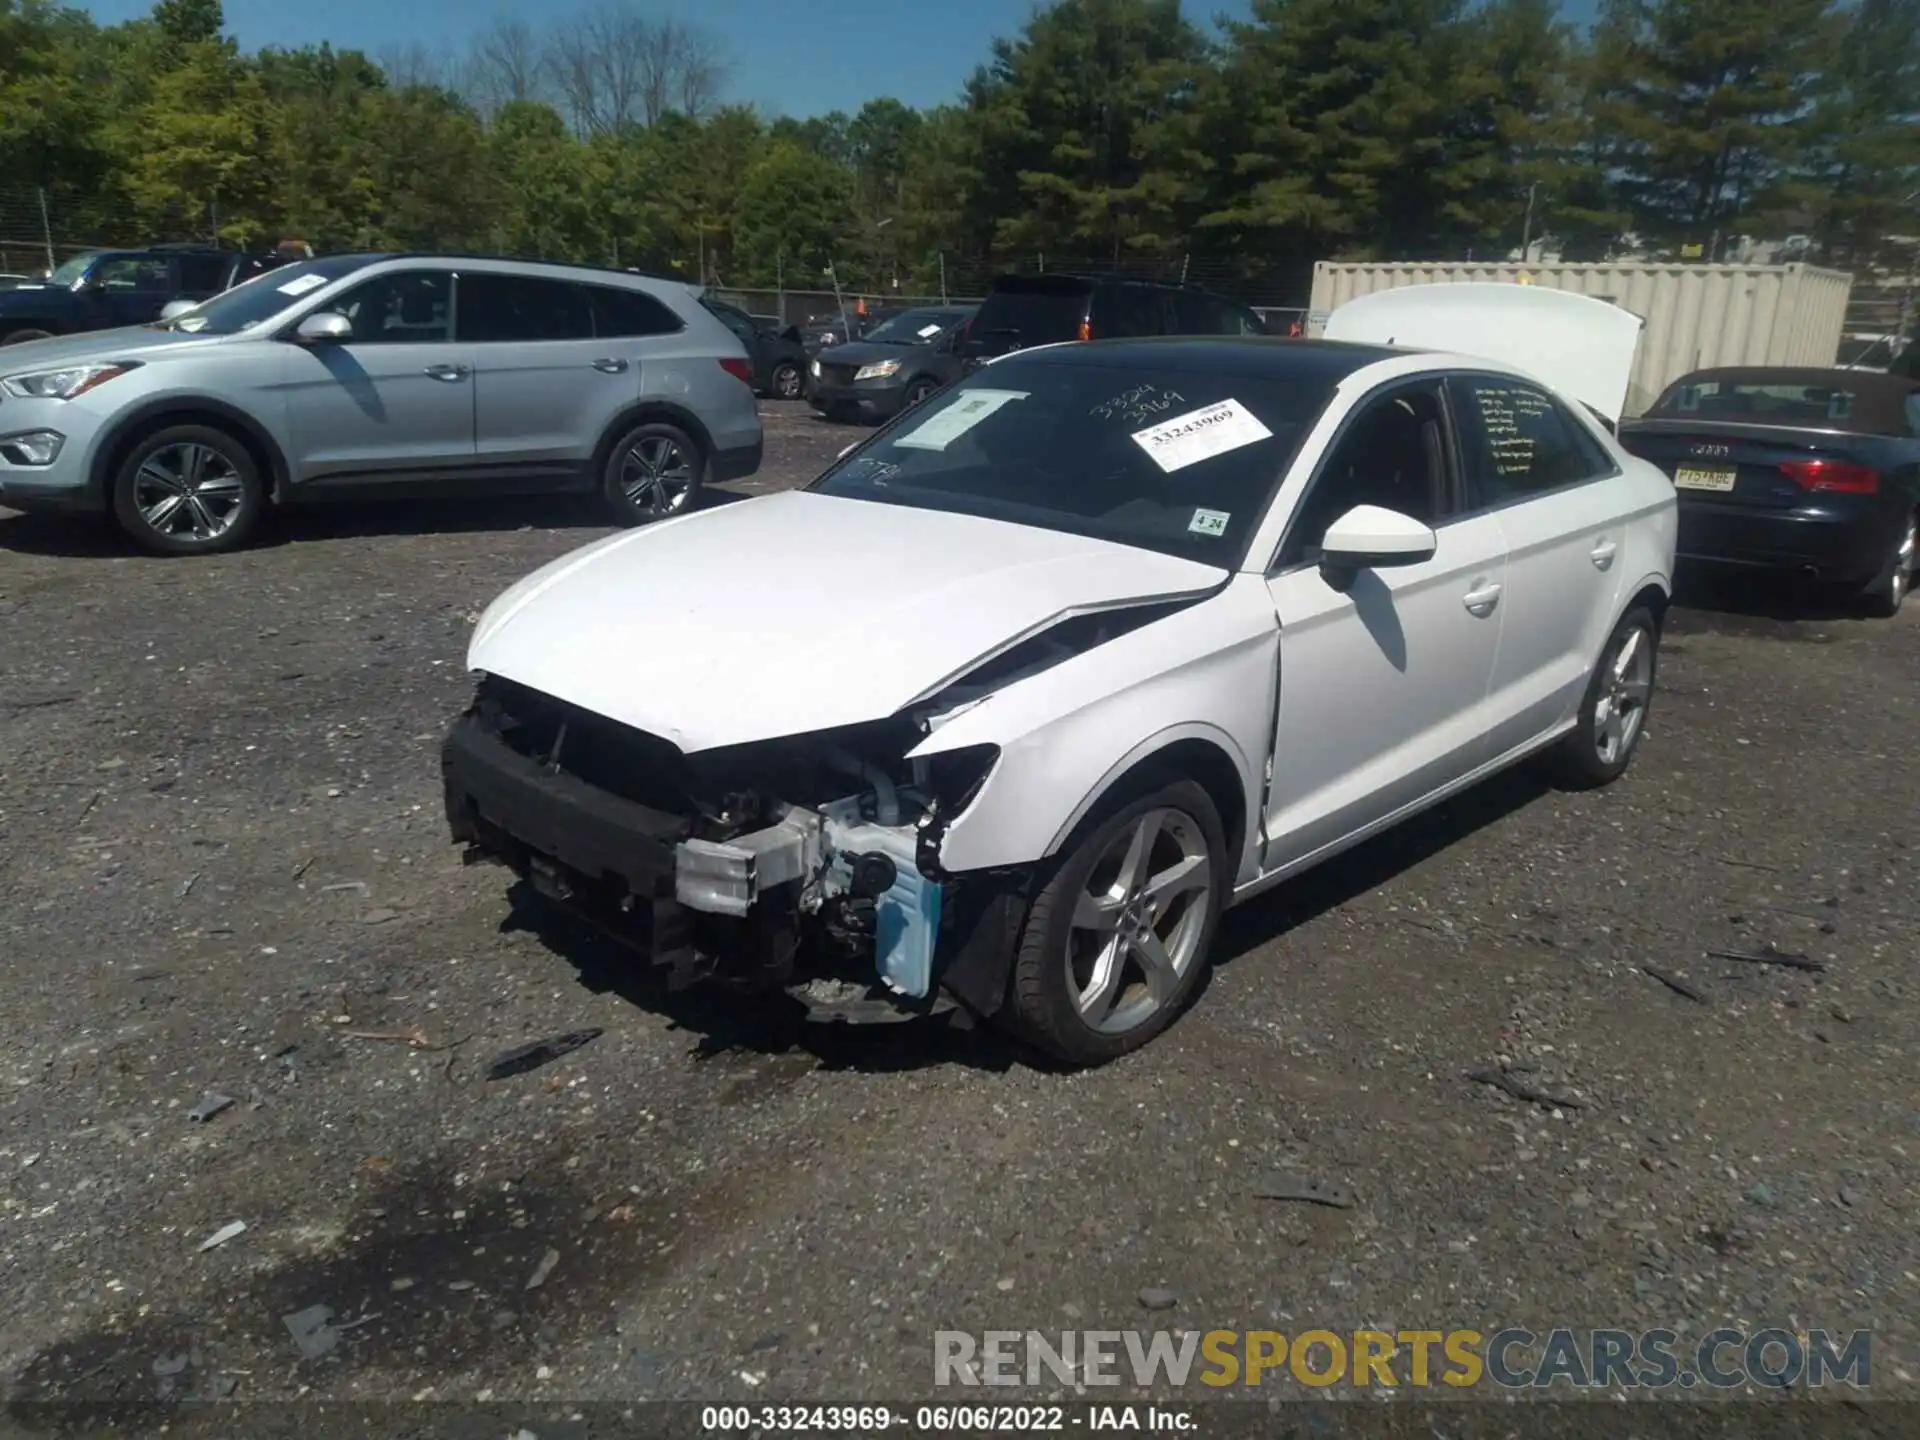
{"x": 653, "y": 471}
{"x": 787, "y": 381}
{"x": 188, "y": 490}
{"x": 1116, "y": 941}
{"x": 919, "y": 390}
{"x": 1886, "y": 595}
{"x": 1613, "y": 713}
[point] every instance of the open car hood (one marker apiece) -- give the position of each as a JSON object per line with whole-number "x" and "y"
{"x": 1580, "y": 346}
{"x": 799, "y": 612}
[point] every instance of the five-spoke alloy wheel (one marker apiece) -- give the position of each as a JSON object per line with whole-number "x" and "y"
{"x": 1613, "y": 713}
{"x": 1116, "y": 941}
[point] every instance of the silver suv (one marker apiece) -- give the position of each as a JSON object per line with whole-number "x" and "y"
{"x": 364, "y": 375}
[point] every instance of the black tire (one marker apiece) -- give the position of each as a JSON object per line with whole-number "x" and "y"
{"x": 1583, "y": 760}
{"x": 1883, "y": 598}
{"x": 1051, "y": 974}
{"x": 920, "y": 389}
{"x": 22, "y": 336}
{"x": 188, "y": 490}
{"x": 640, "y": 480}
{"x": 789, "y": 381}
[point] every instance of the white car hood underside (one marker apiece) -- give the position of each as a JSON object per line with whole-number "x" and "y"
{"x": 798, "y": 612}
{"x": 1580, "y": 346}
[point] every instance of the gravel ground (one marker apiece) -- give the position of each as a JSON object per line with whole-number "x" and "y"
{"x": 223, "y": 869}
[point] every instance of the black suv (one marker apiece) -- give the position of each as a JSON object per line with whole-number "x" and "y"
{"x": 104, "y": 288}
{"x": 1022, "y": 311}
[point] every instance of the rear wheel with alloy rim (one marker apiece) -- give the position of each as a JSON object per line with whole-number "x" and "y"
{"x": 1613, "y": 713}
{"x": 653, "y": 471}
{"x": 1886, "y": 595}
{"x": 188, "y": 490}
{"x": 1116, "y": 942}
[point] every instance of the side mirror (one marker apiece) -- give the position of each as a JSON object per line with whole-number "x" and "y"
{"x": 1371, "y": 537}
{"x": 325, "y": 327}
{"x": 174, "y": 309}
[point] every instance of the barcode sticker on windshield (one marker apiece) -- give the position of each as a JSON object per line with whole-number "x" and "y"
{"x": 302, "y": 284}
{"x": 925, "y": 330}
{"x": 1200, "y": 435}
{"x": 1209, "y": 522}
{"x": 954, "y": 419}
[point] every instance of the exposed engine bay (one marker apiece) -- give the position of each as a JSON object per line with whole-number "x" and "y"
{"x": 762, "y": 865}
{"x": 756, "y": 865}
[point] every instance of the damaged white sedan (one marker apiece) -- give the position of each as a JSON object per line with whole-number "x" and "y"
{"x": 1007, "y": 706}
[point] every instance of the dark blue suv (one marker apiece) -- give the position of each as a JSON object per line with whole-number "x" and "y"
{"x": 101, "y": 289}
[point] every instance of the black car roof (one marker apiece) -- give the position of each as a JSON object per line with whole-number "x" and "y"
{"x": 1879, "y": 399}
{"x": 1330, "y": 361}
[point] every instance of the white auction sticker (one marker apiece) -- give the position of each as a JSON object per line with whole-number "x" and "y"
{"x": 926, "y": 330}
{"x": 1200, "y": 434}
{"x": 1209, "y": 522}
{"x": 302, "y": 284}
{"x": 961, "y": 414}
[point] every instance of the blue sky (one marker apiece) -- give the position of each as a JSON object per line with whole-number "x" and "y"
{"x": 790, "y": 57}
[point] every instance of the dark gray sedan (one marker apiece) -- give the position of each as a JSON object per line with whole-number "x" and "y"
{"x": 893, "y": 367}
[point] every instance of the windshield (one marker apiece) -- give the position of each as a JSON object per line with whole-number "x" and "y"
{"x": 1183, "y": 462}
{"x": 69, "y": 272}
{"x": 264, "y": 296}
{"x": 914, "y": 327}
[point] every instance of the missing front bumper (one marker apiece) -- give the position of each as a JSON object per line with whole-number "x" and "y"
{"x": 817, "y": 893}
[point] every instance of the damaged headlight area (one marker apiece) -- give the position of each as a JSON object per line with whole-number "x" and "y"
{"x": 770, "y": 864}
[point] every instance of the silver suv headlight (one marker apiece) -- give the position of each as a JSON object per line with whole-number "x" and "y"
{"x": 67, "y": 383}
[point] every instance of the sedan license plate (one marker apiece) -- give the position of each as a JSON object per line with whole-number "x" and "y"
{"x": 1704, "y": 477}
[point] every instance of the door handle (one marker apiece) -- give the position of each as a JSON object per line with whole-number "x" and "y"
{"x": 1481, "y": 600}
{"x": 449, "y": 373}
{"x": 1602, "y": 554}
{"x": 609, "y": 366}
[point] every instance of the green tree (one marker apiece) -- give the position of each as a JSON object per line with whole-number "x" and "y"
{"x": 793, "y": 211}
{"x": 193, "y": 153}
{"x": 1861, "y": 174}
{"x": 1699, "y": 107}
{"x": 1088, "y": 132}
{"x": 1334, "y": 118}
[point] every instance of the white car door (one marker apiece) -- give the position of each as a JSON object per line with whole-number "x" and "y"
{"x": 1562, "y": 504}
{"x": 1383, "y": 686}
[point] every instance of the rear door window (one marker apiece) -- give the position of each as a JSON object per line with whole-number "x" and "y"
{"x": 202, "y": 275}
{"x": 1520, "y": 442}
{"x": 497, "y": 308}
{"x": 1021, "y": 313}
{"x": 1120, "y": 311}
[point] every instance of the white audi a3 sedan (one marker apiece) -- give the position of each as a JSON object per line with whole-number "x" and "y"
{"x": 1004, "y": 709}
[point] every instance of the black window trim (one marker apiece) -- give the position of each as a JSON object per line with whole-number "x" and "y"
{"x": 1454, "y": 456}
{"x": 1470, "y": 490}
